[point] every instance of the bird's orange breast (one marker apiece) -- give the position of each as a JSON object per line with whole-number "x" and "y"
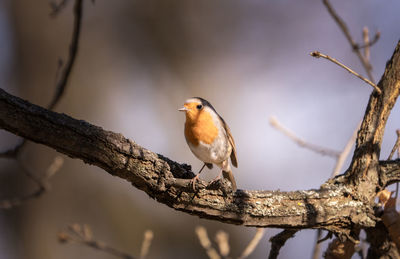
{"x": 200, "y": 128}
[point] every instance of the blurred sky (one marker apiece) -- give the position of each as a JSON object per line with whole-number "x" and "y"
{"x": 138, "y": 62}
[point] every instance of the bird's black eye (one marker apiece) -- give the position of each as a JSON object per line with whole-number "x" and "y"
{"x": 199, "y": 107}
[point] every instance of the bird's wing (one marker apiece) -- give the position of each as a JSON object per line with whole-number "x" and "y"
{"x": 232, "y": 142}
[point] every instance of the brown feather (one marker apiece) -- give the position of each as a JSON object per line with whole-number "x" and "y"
{"x": 232, "y": 142}
{"x": 229, "y": 175}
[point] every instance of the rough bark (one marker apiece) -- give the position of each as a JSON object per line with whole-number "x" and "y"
{"x": 364, "y": 170}
{"x": 341, "y": 204}
{"x": 381, "y": 245}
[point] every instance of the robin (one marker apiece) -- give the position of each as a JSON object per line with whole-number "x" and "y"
{"x": 209, "y": 138}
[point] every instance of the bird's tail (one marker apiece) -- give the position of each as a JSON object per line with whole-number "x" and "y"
{"x": 229, "y": 175}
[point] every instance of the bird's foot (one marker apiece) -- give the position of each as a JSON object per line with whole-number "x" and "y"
{"x": 193, "y": 181}
{"x": 216, "y": 179}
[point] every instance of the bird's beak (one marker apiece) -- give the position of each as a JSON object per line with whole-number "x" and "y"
{"x": 182, "y": 109}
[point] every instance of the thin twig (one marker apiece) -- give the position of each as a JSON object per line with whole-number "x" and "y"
{"x": 396, "y": 145}
{"x": 369, "y": 43}
{"x": 147, "y": 238}
{"x": 328, "y": 236}
{"x": 345, "y": 153}
{"x": 317, "y": 245}
{"x": 222, "y": 240}
{"x": 73, "y": 51}
{"x": 337, "y": 169}
{"x": 319, "y": 239}
{"x": 279, "y": 240}
{"x": 57, "y": 7}
{"x": 342, "y": 25}
{"x": 398, "y": 156}
{"x": 62, "y": 83}
{"x": 42, "y": 184}
{"x": 82, "y": 235}
{"x": 253, "y": 243}
{"x": 205, "y": 242}
{"x": 318, "y": 149}
{"x": 365, "y": 61}
{"x": 317, "y": 54}
{"x": 361, "y": 248}
{"x": 13, "y": 152}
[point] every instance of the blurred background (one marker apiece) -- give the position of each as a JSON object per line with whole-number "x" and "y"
{"x": 138, "y": 61}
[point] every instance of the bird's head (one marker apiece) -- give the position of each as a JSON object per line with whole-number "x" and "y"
{"x": 193, "y": 107}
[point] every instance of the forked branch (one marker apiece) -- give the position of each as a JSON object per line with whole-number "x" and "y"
{"x": 332, "y": 207}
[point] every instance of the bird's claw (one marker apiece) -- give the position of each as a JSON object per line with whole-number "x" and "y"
{"x": 193, "y": 182}
{"x": 216, "y": 179}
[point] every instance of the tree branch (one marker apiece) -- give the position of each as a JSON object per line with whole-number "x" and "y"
{"x": 82, "y": 234}
{"x": 364, "y": 165}
{"x": 279, "y": 240}
{"x": 302, "y": 143}
{"x": 62, "y": 82}
{"x": 318, "y": 54}
{"x": 168, "y": 182}
{"x": 338, "y": 206}
{"x": 356, "y": 48}
{"x": 41, "y": 182}
{"x": 73, "y": 51}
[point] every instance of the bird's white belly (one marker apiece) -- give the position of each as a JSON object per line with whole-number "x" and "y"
{"x": 215, "y": 153}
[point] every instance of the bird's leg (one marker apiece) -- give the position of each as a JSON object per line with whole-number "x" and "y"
{"x": 196, "y": 178}
{"x": 216, "y": 179}
{"x": 225, "y": 167}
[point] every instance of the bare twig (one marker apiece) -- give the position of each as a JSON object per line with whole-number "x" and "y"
{"x": 318, "y": 242}
{"x": 42, "y": 184}
{"x": 367, "y": 52}
{"x": 359, "y": 249}
{"x": 62, "y": 83}
{"x": 365, "y": 61}
{"x": 397, "y": 184}
{"x": 57, "y": 7}
{"x": 337, "y": 169}
{"x": 328, "y": 236}
{"x": 396, "y": 145}
{"x": 13, "y": 152}
{"x": 368, "y": 43}
{"x": 318, "y": 149}
{"x": 317, "y": 54}
{"x": 345, "y": 153}
{"x": 279, "y": 240}
{"x": 317, "y": 245}
{"x": 221, "y": 238}
{"x": 205, "y": 242}
{"x": 253, "y": 243}
{"x": 82, "y": 235}
{"x": 73, "y": 51}
{"x": 342, "y": 25}
{"x": 147, "y": 238}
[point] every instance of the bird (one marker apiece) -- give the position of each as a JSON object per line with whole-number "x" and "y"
{"x": 209, "y": 138}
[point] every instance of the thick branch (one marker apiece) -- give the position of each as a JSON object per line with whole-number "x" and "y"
{"x": 364, "y": 169}
{"x": 390, "y": 172}
{"x": 331, "y": 208}
{"x": 379, "y": 107}
{"x": 338, "y": 206}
